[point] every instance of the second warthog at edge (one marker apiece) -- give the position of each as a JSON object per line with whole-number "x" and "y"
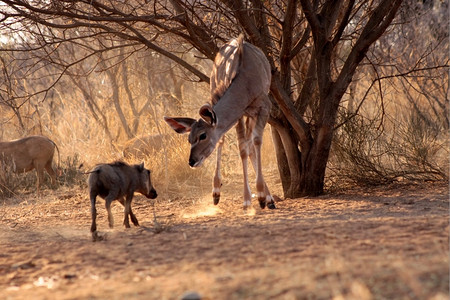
{"x": 28, "y": 153}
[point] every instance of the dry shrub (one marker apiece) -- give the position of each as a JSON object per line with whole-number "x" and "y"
{"x": 8, "y": 181}
{"x": 410, "y": 149}
{"x": 70, "y": 172}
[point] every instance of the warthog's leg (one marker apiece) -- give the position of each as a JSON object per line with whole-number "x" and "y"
{"x": 93, "y": 197}
{"x": 128, "y": 212}
{"x": 243, "y": 151}
{"x": 50, "y": 171}
{"x": 217, "y": 183}
{"x": 108, "y": 200}
{"x": 122, "y": 201}
{"x": 40, "y": 176}
{"x": 133, "y": 217}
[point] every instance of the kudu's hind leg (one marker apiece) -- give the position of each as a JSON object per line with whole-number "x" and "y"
{"x": 217, "y": 182}
{"x": 244, "y": 152}
{"x": 268, "y": 196}
{"x": 264, "y": 196}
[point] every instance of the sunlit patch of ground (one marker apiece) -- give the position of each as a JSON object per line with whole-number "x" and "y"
{"x": 203, "y": 208}
{"x": 250, "y": 211}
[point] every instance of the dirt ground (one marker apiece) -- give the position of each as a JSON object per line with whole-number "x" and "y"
{"x": 389, "y": 242}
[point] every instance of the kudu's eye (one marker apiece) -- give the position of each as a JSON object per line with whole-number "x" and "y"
{"x": 202, "y": 136}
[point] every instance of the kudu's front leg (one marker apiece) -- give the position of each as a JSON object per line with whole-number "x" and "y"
{"x": 217, "y": 183}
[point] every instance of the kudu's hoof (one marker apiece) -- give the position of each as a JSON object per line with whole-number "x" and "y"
{"x": 262, "y": 203}
{"x": 271, "y": 205}
{"x": 216, "y": 199}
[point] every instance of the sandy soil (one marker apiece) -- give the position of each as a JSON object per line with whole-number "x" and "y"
{"x": 381, "y": 243}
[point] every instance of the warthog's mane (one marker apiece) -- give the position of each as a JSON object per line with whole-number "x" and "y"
{"x": 118, "y": 163}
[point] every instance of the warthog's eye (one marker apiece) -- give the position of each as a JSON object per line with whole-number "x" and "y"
{"x": 202, "y": 136}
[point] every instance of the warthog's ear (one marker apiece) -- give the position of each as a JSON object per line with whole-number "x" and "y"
{"x": 141, "y": 167}
{"x": 208, "y": 114}
{"x": 180, "y": 125}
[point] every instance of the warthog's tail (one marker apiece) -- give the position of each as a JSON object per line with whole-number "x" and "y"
{"x": 89, "y": 172}
{"x": 85, "y": 173}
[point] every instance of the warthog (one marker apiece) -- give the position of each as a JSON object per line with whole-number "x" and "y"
{"x": 32, "y": 152}
{"x": 118, "y": 181}
{"x": 142, "y": 146}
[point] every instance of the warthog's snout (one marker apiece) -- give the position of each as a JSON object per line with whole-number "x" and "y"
{"x": 192, "y": 162}
{"x": 152, "y": 194}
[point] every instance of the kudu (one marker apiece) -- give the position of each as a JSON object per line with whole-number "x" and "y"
{"x": 239, "y": 84}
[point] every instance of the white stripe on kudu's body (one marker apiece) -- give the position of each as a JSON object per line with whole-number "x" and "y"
{"x": 240, "y": 82}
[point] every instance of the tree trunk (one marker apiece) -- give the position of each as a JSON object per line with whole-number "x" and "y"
{"x": 282, "y": 162}
{"x": 312, "y": 179}
{"x": 315, "y": 137}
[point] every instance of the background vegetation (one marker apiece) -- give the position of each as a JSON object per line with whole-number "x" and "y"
{"x": 90, "y": 92}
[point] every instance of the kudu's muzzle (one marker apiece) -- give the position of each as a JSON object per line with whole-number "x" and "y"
{"x": 192, "y": 162}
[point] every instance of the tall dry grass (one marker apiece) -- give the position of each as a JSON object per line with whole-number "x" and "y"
{"x": 366, "y": 150}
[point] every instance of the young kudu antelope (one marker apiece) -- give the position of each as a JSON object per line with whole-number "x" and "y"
{"x": 240, "y": 81}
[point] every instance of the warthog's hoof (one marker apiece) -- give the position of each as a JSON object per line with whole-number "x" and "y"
{"x": 191, "y": 296}
{"x": 271, "y": 205}
{"x": 96, "y": 237}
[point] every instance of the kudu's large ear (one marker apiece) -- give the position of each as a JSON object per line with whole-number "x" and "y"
{"x": 180, "y": 125}
{"x": 208, "y": 114}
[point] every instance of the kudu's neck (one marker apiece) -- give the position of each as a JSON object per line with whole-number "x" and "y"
{"x": 230, "y": 108}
